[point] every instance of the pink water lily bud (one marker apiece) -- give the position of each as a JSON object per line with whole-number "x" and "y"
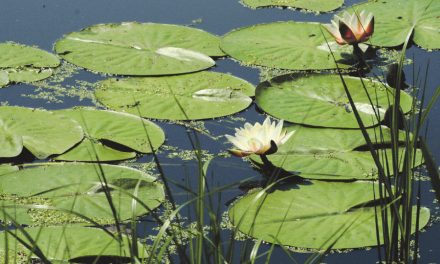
{"x": 261, "y": 139}
{"x": 351, "y": 29}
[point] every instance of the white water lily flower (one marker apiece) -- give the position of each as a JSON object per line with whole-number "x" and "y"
{"x": 258, "y": 139}
{"x": 351, "y": 29}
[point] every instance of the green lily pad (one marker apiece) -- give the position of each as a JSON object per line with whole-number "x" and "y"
{"x": 6, "y": 168}
{"x": 76, "y": 187}
{"x": 312, "y": 5}
{"x": 12, "y": 144}
{"x": 70, "y": 242}
{"x": 89, "y": 149}
{"x": 20, "y": 63}
{"x": 313, "y": 215}
{"x": 12, "y": 213}
{"x": 140, "y": 49}
{"x": 108, "y": 126}
{"x": 42, "y": 132}
{"x": 185, "y": 97}
{"x": 286, "y": 45}
{"x": 350, "y": 165}
{"x": 395, "y": 19}
{"x": 320, "y": 100}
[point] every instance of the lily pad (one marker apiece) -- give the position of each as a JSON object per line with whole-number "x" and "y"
{"x": 41, "y": 132}
{"x": 103, "y": 126}
{"x": 313, "y": 214}
{"x": 185, "y": 97}
{"x": 91, "y": 150}
{"x": 140, "y": 49}
{"x": 76, "y": 187}
{"x": 6, "y": 168}
{"x": 286, "y": 45}
{"x": 312, "y": 5}
{"x": 396, "y": 19}
{"x": 20, "y": 63}
{"x": 320, "y": 100}
{"x": 350, "y": 165}
{"x": 66, "y": 243}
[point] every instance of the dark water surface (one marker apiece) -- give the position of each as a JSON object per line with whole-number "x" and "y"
{"x": 42, "y": 22}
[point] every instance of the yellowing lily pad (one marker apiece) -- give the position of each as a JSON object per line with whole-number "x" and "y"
{"x": 140, "y": 49}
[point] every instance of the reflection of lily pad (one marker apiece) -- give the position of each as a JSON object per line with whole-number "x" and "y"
{"x": 192, "y": 96}
{"x": 77, "y": 187}
{"x": 124, "y": 129}
{"x": 312, "y": 215}
{"x": 69, "y": 242}
{"x": 140, "y": 49}
{"x": 19, "y": 63}
{"x": 320, "y": 100}
{"x": 312, "y": 5}
{"x": 41, "y": 132}
{"x": 286, "y": 45}
{"x": 395, "y": 19}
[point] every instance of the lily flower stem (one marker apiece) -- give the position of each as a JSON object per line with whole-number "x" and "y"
{"x": 360, "y": 56}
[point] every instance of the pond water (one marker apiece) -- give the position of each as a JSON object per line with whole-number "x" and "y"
{"x": 42, "y": 22}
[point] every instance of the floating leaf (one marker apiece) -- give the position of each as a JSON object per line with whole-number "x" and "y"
{"x": 89, "y": 149}
{"x": 11, "y": 144}
{"x": 192, "y": 96}
{"x": 6, "y": 168}
{"x": 286, "y": 45}
{"x": 395, "y": 19}
{"x": 348, "y": 165}
{"x": 312, "y": 5}
{"x": 125, "y": 129}
{"x": 42, "y": 132}
{"x": 20, "y": 63}
{"x": 320, "y": 100}
{"x": 70, "y": 242}
{"x": 140, "y": 49}
{"x": 77, "y": 187}
{"x": 313, "y": 214}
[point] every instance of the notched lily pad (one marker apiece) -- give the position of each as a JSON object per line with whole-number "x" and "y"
{"x": 320, "y": 100}
{"x": 311, "y": 5}
{"x": 140, "y": 49}
{"x": 41, "y": 132}
{"x": 103, "y": 127}
{"x": 185, "y": 97}
{"x": 313, "y": 215}
{"x": 20, "y": 63}
{"x": 65, "y": 243}
{"x": 286, "y": 45}
{"x": 395, "y": 20}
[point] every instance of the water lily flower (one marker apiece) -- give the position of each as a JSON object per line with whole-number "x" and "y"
{"x": 261, "y": 139}
{"x": 352, "y": 29}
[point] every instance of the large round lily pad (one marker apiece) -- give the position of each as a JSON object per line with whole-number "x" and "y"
{"x": 312, "y": 5}
{"x": 286, "y": 45}
{"x": 66, "y": 243}
{"x": 124, "y": 129}
{"x": 192, "y": 96}
{"x": 320, "y": 100}
{"x": 396, "y": 19}
{"x": 140, "y": 49}
{"x": 313, "y": 215}
{"x": 77, "y": 187}
{"x": 41, "y": 132}
{"x": 20, "y": 63}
